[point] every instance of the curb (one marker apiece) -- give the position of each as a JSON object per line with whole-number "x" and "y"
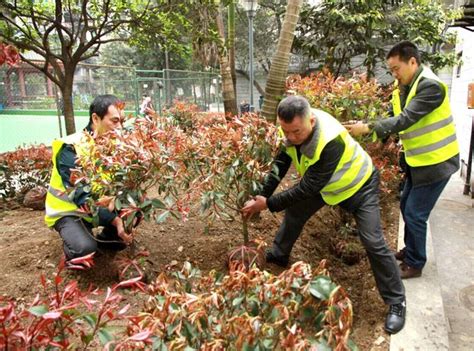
{"x": 425, "y": 325}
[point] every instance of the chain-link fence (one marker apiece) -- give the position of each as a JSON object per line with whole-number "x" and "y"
{"x": 168, "y": 86}
{"x": 23, "y": 87}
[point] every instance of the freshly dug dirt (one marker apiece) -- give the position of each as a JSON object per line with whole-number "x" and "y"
{"x": 28, "y": 248}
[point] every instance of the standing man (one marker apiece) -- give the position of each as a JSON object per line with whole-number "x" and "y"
{"x": 68, "y": 213}
{"x": 335, "y": 170}
{"x": 422, "y": 117}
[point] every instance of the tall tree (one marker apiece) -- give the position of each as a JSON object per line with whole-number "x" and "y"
{"x": 67, "y": 32}
{"x": 335, "y": 32}
{"x": 231, "y": 40}
{"x": 276, "y": 78}
{"x": 228, "y": 92}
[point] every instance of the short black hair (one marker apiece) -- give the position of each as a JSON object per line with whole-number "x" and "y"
{"x": 100, "y": 106}
{"x": 405, "y": 50}
{"x": 293, "y": 106}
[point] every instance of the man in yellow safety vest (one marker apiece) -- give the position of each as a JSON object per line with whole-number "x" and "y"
{"x": 421, "y": 115}
{"x": 67, "y": 212}
{"x": 334, "y": 170}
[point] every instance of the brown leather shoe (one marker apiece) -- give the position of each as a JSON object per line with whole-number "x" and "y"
{"x": 407, "y": 272}
{"x": 400, "y": 255}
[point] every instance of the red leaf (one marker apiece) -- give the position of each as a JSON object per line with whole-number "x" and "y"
{"x": 124, "y": 309}
{"x": 142, "y": 336}
{"x": 51, "y": 315}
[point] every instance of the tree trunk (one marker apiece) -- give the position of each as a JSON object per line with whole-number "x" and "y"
{"x": 231, "y": 41}
{"x": 275, "y": 86}
{"x": 230, "y": 102}
{"x": 68, "y": 108}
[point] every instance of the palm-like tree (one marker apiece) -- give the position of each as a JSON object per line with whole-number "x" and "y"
{"x": 276, "y": 77}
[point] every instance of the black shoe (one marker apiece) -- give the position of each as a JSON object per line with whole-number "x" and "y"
{"x": 395, "y": 319}
{"x": 281, "y": 261}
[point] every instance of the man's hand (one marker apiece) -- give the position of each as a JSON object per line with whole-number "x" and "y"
{"x": 84, "y": 208}
{"x": 254, "y": 206}
{"x": 127, "y": 238}
{"x": 357, "y": 129}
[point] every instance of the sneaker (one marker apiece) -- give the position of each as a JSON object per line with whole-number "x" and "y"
{"x": 395, "y": 319}
{"x": 281, "y": 261}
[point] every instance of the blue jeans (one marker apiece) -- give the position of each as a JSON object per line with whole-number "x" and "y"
{"x": 416, "y": 204}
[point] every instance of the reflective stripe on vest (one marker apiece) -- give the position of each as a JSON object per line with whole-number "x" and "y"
{"x": 432, "y": 139}
{"x": 353, "y": 169}
{"x": 58, "y": 202}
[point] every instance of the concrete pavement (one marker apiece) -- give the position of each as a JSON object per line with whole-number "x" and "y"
{"x": 440, "y": 304}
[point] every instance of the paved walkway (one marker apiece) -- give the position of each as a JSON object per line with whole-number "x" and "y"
{"x": 440, "y": 304}
{"x": 452, "y": 227}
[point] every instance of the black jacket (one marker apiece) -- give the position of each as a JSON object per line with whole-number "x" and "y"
{"x": 315, "y": 178}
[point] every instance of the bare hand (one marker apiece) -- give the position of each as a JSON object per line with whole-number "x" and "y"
{"x": 254, "y": 206}
{"x": 357, "y": 129}
{"x": 127, "y": 238}
{"x": 84, "y": 208}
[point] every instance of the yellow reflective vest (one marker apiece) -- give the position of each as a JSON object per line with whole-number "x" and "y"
{"x": 353, "y": 169}
{"x": 58, "y": 202}
{"x": 432, "y": 139}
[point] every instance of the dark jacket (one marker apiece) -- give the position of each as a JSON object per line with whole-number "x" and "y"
{"x": 315, "y": 178}
{"x": 65, "y": 161}
{"x": 429, "y": 96}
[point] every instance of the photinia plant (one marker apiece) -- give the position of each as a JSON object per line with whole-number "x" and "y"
{"x": 298, "y": 310}
{"x": 236, "y": 155}
{"x": 120, "y": 168}
{"x": 230, "y": 159}
{"x": 24, "y": 169}
{"x": 62, "y": 316}
{"x": 352, "y": 98}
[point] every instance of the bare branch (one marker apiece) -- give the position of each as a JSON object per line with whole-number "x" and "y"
{"x": 43, "y": 69}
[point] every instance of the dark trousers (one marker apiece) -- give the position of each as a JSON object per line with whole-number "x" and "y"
{"x": 78, "y": 239}
{"x": 365, "y": 206}
{"x": 416, "y": 203}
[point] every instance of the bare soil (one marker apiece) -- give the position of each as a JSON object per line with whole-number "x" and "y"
{"x": 28, "y": 248}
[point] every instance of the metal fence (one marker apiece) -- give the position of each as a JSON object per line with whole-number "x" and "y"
{"x": 23, "y": 87}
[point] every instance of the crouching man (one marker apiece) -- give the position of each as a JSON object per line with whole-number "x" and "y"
{"x": 68, "y": 213}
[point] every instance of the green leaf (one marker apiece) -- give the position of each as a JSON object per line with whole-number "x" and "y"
{"x": 318, "y": 321}
{"x": 162, "y": 217}
{"x": 118, "y": 204}
{"x": 146, "y": 203}
{"x": 104, "y": 336}
{"x": 157, "y": 203}
{"x": 38, "y": 310}
{"x": 158, "y": 344}
{"x": 321, "y": 287}
{"x": 91, "y": 319}
{"x": 237, "y": 301}
{"x": 86, "y": 338}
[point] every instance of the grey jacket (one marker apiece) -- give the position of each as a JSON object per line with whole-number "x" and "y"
{"x": 429, "y": 96}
